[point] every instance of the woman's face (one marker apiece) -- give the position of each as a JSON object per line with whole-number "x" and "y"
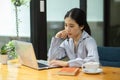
{"x": 72, "y": 28}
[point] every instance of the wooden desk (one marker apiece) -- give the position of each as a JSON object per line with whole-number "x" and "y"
{"x": 12, "y": 71}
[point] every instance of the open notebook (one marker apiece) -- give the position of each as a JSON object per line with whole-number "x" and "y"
{"x": 27, "y": 56}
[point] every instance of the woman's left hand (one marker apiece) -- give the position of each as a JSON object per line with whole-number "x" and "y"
{"x": 58, "y": 63}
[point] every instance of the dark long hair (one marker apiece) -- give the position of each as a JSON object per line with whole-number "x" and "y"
{"x": 80, "y": 17}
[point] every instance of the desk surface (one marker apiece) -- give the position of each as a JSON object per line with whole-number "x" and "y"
{"x": 13, "y": 71}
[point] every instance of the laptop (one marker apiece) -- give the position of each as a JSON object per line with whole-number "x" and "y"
{"x": 27, "y": 56}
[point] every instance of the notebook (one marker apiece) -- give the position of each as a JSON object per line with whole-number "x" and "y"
{"x": 27, "y": 56}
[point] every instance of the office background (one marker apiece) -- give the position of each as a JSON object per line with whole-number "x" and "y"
{"x": 38, "y": 26}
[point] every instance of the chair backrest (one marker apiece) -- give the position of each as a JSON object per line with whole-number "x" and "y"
{"x": 109, "y": 56}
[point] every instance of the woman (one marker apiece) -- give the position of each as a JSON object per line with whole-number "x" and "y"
{"x": 74, "y": 42}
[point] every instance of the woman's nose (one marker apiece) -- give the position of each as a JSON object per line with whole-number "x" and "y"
{"x": 67, "y": 29}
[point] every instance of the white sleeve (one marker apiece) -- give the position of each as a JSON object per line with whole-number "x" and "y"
{"x": 91, "y": 48}
{"x": 55, "y": 50}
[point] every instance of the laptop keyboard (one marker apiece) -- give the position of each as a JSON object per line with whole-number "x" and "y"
{"x": 42, "y": 65}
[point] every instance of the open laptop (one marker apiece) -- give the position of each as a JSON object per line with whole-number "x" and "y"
{"x": 27, "y": 56}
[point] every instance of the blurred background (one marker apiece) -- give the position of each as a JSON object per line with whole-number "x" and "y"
{"x": 40, "y": 20}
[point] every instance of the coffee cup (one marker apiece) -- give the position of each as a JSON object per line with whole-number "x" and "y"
{"x": 90, "y": 66}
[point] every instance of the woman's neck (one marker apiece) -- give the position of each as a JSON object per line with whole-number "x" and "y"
{"x": 76, "y": 39}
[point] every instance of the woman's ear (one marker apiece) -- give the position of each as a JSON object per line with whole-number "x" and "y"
{"x": 81, "y": 27}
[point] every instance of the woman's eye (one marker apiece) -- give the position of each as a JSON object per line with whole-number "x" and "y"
{"x": 71, "y": 26}
{"x": 65, "y": 25}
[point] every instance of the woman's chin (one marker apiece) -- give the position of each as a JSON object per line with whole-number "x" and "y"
{"x": 70, "y": 36}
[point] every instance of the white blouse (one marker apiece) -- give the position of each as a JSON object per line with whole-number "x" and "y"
{"x": 85, "y": 51}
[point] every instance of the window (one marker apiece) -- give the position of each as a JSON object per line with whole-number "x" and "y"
{"x": 8, "y": 22}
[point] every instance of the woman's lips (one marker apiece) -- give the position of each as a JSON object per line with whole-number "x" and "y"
{"x": 69, "y": 33}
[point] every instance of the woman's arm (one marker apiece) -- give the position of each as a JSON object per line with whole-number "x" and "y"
{"x": 55, "y": 51}
{"x": 91, "y": 48}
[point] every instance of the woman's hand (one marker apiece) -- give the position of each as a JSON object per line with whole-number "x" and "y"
{"x": 58, "y": 63}
{"x": 61, "y": 34}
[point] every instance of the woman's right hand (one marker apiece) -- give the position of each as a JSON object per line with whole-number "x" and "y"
{"x": 61, "y": 34}
{"x": 58, "y": 63}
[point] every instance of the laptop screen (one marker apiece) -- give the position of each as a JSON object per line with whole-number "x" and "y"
{"x": 26, "y": 53}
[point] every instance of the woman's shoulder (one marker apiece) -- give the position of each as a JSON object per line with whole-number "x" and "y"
{"x": 90, "y": 40}
{"x": 87, "y": 37}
